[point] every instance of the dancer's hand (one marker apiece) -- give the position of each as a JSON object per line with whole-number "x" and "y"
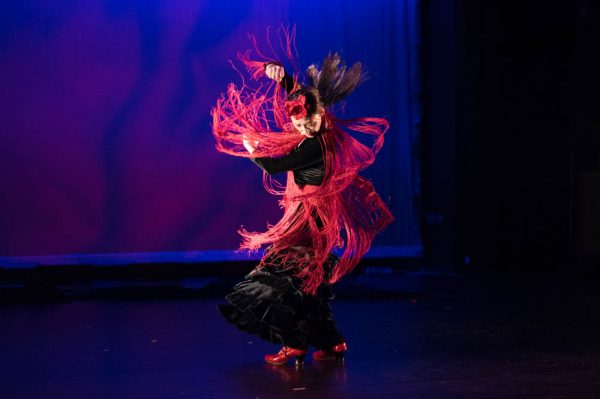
{"x": 275, "y": 72}
{"x": 250, "y": 147}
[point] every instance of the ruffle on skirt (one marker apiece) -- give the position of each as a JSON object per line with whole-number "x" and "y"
{"x": 269, "y": 303}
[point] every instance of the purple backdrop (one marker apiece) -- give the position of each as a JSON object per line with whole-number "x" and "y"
{"x": 106, "y": 145}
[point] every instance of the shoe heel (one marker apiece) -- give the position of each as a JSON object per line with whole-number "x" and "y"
{"x": 300, "y": 360}
{"x": 339, "y": 351}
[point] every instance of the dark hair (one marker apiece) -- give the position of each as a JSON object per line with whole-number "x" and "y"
{"x": 334, "y": 81}
{"x": 330, "y": 84}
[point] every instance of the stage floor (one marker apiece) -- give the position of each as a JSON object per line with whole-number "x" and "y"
{"x": 479, "y": 345}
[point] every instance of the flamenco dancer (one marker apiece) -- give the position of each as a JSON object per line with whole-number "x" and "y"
{"x": 286, "y": 126}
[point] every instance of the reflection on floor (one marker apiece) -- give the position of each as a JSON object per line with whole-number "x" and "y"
{"x": 480, "y": 344}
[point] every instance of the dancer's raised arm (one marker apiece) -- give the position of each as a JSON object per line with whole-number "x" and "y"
{"x": 276, "y": 72}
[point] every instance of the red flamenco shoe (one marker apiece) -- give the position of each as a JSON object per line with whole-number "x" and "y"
{"x": 286, "y": 353}
{"x": 335, "y": 353}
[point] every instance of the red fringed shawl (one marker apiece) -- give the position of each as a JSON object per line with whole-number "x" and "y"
{"x": 350, "y": 211}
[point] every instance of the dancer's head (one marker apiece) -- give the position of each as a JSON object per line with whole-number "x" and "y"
{"x": 326, "y": 86}
{"x": 305, "y": 110}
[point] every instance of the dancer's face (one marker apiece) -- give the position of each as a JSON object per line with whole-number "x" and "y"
{"x": 308, "y": 126}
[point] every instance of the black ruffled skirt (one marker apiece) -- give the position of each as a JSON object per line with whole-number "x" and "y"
{"x": 270, "y": 304}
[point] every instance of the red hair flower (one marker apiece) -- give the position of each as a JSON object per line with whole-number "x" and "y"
{"x": 297, "y": 107}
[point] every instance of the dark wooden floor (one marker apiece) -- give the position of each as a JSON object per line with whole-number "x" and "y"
{"x": 478, "y": 344}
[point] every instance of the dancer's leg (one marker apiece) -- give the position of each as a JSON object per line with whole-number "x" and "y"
{"x": 321, "y": 329}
